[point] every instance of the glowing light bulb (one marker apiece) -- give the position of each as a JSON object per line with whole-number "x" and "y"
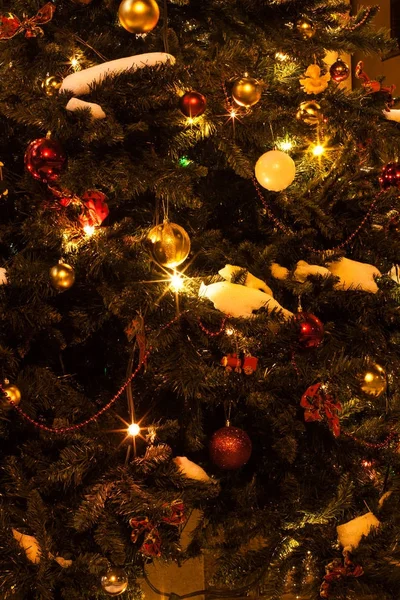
{"x": 75, "y": 63}
{"x": 232, "y": 113}
{"x": 281, "y": 56}
{"x": 176, "y": 282}
{"x": 190, "y": 120}
{"x": 89, "y": 230}
{"x": 229, "y": 331}
{"x": 318, "y": 150}
{"x": 286, "y": 146}
{"x": 133, "y": 429}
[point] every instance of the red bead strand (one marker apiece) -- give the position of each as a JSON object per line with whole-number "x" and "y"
{"x": 213, "y": 333}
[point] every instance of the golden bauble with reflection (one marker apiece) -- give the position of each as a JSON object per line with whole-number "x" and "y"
{"x": 138, "y": 16}
{"x": 51, "y": 85}
{"x": 13, "y": 393}
{"x": 115, "y": 581}
{"x": 305, "y": 27}
{"x": 169, "y": 244}
{"x": 373, "y": 381}
{"x": 246, "y": 91}
{"x": 309, "y": 112}
{"x": 62, "y": 276}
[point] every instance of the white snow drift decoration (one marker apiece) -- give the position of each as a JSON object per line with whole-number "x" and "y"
{"x": 79, "y": 83}
{"x": 350, "y": 533}
{"x": 229, "y": 271}
{"x": 238, "y": 300}
{"x": 96, "y": 111}
{"x": 3, "y": 276}
{"x": 392, "y": 115}
{"x": 190, "y": 470}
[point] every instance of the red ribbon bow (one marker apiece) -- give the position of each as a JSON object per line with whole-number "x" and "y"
{"x": 316, "y": 403}
{"x": 95, "y": 209}
{"x": 336, "y": 571}
{"x": 151, "y": 545}
{"x": 373, "y": 86}
{"x": 10, "y": 25}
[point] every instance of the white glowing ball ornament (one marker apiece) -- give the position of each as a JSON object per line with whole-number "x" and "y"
{"x": 275, "y": 170}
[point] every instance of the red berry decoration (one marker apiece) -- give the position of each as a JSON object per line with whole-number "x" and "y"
{"x": 390, "y": 176}
{"x": 339, "y": 71}
{"x": 45, "y": 159}
{"x": 192, "y": 104}
{"x": 311, "y": 330}
{"x": 230, "y": 448}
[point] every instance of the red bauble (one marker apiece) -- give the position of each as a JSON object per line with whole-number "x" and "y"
{"x": 45, "y": 159}
{"x": 192, "y": 104}
{"x": 339, "y": 71}
{"x": 390, "y": 176}
{"x": 230, "y": 448}
{"x": 311, "y": 330}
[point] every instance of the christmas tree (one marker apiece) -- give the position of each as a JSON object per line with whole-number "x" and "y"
{"x": 199, "y": 298}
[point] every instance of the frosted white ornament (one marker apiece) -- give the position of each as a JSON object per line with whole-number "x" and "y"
{"x": 80, "y": 83}
{"x": 275, "y": 170}
{"x": 240, "y": 301}
{"x": 351, "y": 533}
{"x": 229, "y": 271}
{"x": 95, "y": 109}
{"x": 191, "y": 470}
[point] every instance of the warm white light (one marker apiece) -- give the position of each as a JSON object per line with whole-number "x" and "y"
{"x": 286, "y": 146}
{"x": 190, "y": 120}
{"x": 229, "y": 331}
{"x": 89, "y": 230}
{"x": 133, "y": 429}
{"x": 281, "y": 56}
{"x": 318, "y": 150}
{"x": 176, "y": 282}
{"x": 232, "y": 113}
{"x": 74, "y": 63}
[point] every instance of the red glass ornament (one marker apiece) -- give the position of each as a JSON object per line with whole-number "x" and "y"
{"x": 45, "y": 159}
{"x": 390, "y": 176}
{"x": 311, "y": 330}
{"x": 230, "y": 448}
{"x": 192, "y": 104}
{"x": 339, "y": 71}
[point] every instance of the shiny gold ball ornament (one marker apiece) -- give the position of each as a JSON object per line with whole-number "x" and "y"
{"x": 51, "y": 85}
{"x": 374, "y": 381}
{"x": 305, "y": 27}
{"x": 309, "y": 112}
{"x": 138, "y": 16}
{"x": 62, "y": 276}
{"x": 169, "y": 244}
{"x": 115, "y": 581}
{"x": 246, "y": 91}
{"x": 13, "y": 393}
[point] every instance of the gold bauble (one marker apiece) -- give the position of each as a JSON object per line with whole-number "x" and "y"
{"x": 305, "y": 27}
{"x": 115, "y": 581}
{"x": 246, "y": 91}
{"x": 373, "y": 380}
{"x": 309, "y": 112}
{"x": 138, "y": 16}
{"x": 62, "y": 276}
{"x": 12, "y": 392}
{"x": 169, "y": 244}
{"x": 51, "y": 85}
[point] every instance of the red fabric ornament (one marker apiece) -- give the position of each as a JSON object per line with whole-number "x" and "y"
{"x": 317, "y": 404}
{"x": 176, "y": 513}
{"x": 390, "y": 176}
{"x": 339, "y": 71}
{"x": 152, "y": 544}
{"x": 311, "y": 330}
{"x": 192, "y": 104}
{"x": 45, "y": 159}
{"x": 139, "y": 525}
{"x": 230, "y": 448}
{"x": 95, "y": 209}
{"x": 10, "y": 25}
{"x": 336, "y": 571}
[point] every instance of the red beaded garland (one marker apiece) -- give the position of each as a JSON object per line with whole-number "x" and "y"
{"x": 45, "y": 159}
{"x": 230, "y": 448}
{"x": 311, "y": 330}
{"x": 192, "y": 104}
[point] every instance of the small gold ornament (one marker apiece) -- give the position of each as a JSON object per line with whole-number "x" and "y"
{"x": 13, "y": 393}
{"x": 62, "y": 276}
{"x": 138, "y": 16}
{"x": 51, "y": 85}
{"x": 305, "y": 27}
{"x": 246, "y": 91}
{"x": 309, "y": 112}
{"x": 115, "y": 581}
{"x": 169, "y": 244}
{"x": 374, "y": 381}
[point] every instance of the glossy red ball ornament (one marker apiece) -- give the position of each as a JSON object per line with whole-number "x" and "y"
{"x": 192, "y": 104}
{"x": 45, "y": 159}
{"x": 230, "y": 448}
{"x": 311, "y": 330}
{"x": 390, "y": 176}
{"x": 339, "y": 71}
